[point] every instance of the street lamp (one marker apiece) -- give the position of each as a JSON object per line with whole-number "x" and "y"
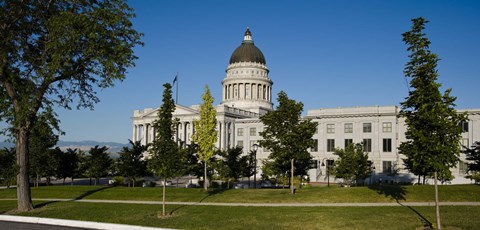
{"x": 255, "y": 148}
{"x": 373, "y": 167}
{"x": 327, "y": 171}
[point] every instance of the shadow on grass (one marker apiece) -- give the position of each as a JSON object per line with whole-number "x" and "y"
{"x": 209, "y": 193}
{"x": 396, "y": 192}
{"x": 90, "y": 192}
{"x": 426, "y": 223}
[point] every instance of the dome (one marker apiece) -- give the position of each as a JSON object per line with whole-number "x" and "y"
{"x": 247, "y": 51}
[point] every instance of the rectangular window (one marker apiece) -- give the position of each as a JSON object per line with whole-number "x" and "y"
{"x": 330, "y": 145}
{"x": 348, "y": 128}
{"x": 462, "y": 167}
{"x": 315, "y": 146}
{"x": 387, "y": 167}
{"x": 387, "y": 127}
{"x": 367, "y": 127}
{"x": 465, "y": 142}
{"x": 348, "y": 142}
{"x": 240, "y": 144}
{"x": 464, "y": 125}
{"x": 251, "y": 144}
{"x": 253, "y": 132}
{"x": 330, "y": 128}
{"x": 387, "y": 145}
{"x": 240, "y": 132}
{"x": 367, "y": 145}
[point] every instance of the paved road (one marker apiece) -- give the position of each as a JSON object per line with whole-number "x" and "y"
{"x": 9, "y": 225}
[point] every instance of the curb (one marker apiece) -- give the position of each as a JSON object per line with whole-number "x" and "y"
{"x": 74, "y": 223}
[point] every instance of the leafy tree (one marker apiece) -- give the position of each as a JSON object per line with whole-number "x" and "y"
{"x": 67, "y": 164}
{"x": 131, "y": 163}
{"x": 53, "y": 52}
{"x": 193, "y": 164}
{"x": 206, "y": 132}
{"x": 249, "y": 169}
{"x": 8, "y": 166}
{"x": 473, "y": 155}
{"x": 231, "y": 164}
{"x": 433, "y": 133}
{"x": 43, "y": 162}
{"x": 165, "y": 158}
{"x": 287, "y": 137}
{"x": 98, "y": 163}
{"x": 352, "y": 164}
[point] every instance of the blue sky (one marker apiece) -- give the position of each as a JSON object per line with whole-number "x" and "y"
{"x": 323, "y": 53}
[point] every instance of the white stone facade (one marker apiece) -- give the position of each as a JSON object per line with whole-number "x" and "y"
{"x": 247, "y": 94}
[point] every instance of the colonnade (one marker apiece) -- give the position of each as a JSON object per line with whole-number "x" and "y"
{"x": 247, "y": 91}
{"x": 145, "y": 133}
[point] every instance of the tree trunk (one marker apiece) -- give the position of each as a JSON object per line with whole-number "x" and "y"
{"x": 292, "y": 187}
{"x": 437, "y": 206}
{"x": 163, "y": 208}
{"x": 64, "y": 181}
{"x": 205, "y": 180}
{"x": 72, "y": 181}
{"x": 24, "y": 195}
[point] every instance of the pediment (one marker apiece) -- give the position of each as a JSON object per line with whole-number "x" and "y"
{"x": 183, "y": 110}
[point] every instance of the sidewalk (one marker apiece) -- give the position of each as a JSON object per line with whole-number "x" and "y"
{"x": 268, "y": 204}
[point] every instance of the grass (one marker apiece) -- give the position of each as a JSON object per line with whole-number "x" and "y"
{"x": 215, "y": 217}
{"x": 386, "y": 193}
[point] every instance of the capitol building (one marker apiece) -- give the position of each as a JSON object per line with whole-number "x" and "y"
{"x": 247, "y": 95}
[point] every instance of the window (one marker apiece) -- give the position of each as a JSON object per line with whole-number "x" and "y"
{"x": 464, "y": 125}
{"x": 330, "y": 128}
{"x": 348, "y": 142}
{"x": 387, "y": 166}
{"x": 315, "y": 146}
{"x": 462, "y": 167}
{"x": 240, "y": 144}
{"x": 387, "y": 127}
{"x": 465, "y": 142}
{"x": 251, "y": 144}
{"x": 367, "y": 127}
{"x": 367, "y": 145}
{"x": 240, "y": 132}
{"x": 348, "y": 128}
{"x": 387, "y": 145}
{"x": 253, "y": 132}
{"x": 330, "y": 145}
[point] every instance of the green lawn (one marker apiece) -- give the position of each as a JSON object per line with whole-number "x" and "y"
{"x": 214, "y": 217}
{"x": 388, "y": 193}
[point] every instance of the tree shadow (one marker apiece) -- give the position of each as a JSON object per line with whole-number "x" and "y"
{"x": 396, "y": 192}
{"x": 209, "y": 193}
{"x": 43, "y": 204}
{"x": 90, "y": 192}
{"x": 426, "y": 223}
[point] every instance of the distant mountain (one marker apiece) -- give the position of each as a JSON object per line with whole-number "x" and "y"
{"x": 113, "y": 147}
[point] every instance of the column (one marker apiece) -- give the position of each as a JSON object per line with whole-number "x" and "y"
{"x": 134, "y": 133}
{"x": 146, "y": 133}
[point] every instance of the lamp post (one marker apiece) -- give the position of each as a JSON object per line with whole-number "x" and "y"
{"x": 327, "y": 171}
{"x": 255, "y": 148}
{"x": 373, "y": 167}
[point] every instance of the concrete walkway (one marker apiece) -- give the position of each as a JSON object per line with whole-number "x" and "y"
{"x": 268, "y": 204}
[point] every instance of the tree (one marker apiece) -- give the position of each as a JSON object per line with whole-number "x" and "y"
{"x": 205, "y": 131}
{"x": 43, "y": 162}
{"x": 98, "y": 163}
{"x": 473, "y": 155}
{"x": 433, "y": 133}
{"x": 67, "y": 164}
{"x": 52, "y": 52}
{"x": 352, "y": 164}
{"x": 8, "y": 167}
{"x": 231, "y": 164}
{"x": 131, "y": 163}
{"x": 193, "y": 164}
{"x": 165, "y": 159}
{"x": 287, "y": 137}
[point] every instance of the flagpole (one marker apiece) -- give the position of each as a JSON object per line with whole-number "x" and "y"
{"x": 176, "y": 93}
